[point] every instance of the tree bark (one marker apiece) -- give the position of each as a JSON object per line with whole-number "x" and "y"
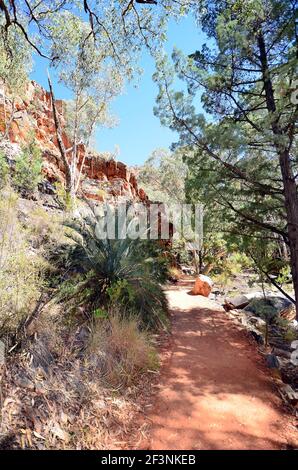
{"x": 289, "y": 184}
{"x": 62, "y": 149}
{"x": 291, "y": 205}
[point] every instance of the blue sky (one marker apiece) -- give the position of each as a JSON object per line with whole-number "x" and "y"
{"x": 139, "y": 132}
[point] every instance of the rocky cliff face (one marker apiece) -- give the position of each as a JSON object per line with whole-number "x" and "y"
{"x": 31, "y": 115}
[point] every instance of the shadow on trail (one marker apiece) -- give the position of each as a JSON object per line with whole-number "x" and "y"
{"x": 215, "y": 392}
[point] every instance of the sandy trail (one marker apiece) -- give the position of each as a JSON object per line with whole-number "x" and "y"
{"x": 214, "y": 391}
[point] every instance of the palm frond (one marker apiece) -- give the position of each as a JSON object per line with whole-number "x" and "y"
{"x": 95, "y": 265}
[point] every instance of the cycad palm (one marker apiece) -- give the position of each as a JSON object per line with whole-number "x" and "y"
{"x": 99, "y": 265}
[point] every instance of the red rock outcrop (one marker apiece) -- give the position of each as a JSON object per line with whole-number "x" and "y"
{"x": 31, "y": 115}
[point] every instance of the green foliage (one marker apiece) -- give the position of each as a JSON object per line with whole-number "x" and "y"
{"x": 120, "y": 29}
{"x": 100, "y": 313}
{"x": 21, "y": 270}
{"x": 121, "y": 292}
{"x": 284, "y": 275}
{"x": 93, "y": 92}
{"x": 155, "y": 257}
{"x": 105, "y": 272}
{"x": 180, "y": 252}
{"x": 265, "y": 310}
{"x": 27, "y": 169}
{"x": 15, "y": 59}
{"x": 222, "y": 279}
{"x": 290, "y": 334}
{"x": 64, "y": 198}
{"x": 241, "y": 260}
{"x": 4, "y": 170}
{"x": 92, "y": 82}
{"x": 163, "y": 176}
{"x": 45, "y": 230}
{"x": 230, "y": 265}
{"x": 214, "y": 251}
{"x": 233, "y": 139}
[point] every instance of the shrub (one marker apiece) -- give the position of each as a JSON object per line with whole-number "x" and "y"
{"x": 240, "y": 261}
{"x": 223, "y": 280}
{"x": 46, "y": 229}
{"x": 289, "y": 333}
{"x": 64, "y": 198}
{"x": 174, "y": 273}
{"x": 126, "y": 352}
{"x": 4, "y": 170}
{"x": 265, "y": 309}
{"x": 27, "y": 171}
{"x": 20, "y": 268}
{"x": 104, "y": 272}
{"x": 230, "y": 266}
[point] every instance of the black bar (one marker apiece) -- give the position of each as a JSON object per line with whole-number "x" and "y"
{"x": 136, "y": 459}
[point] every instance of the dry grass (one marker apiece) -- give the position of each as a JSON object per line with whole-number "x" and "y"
{"x": 46, "y": 228}
{"x": 20, "y": 267}
{"x": 64, "y": 393}
{"x": 70, "y": 386}
{"x": 125, "y": 351}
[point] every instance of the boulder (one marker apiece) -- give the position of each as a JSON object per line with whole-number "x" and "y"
{"x": 240, "y": 301}
{"x": 280, "y": 305}
{"x": 256, "y": 321}
{"x": 203, "y": 286}
{"x": 279, "y": 343}
{"x": 289, "y": 312}
{"x": 254, "y": 302}
{"x": 10, "y": 150}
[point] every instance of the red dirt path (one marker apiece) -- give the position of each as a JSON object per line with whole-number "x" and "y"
{"x": 214, "y": 390}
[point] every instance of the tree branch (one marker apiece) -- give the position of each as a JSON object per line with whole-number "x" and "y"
{"x": 61, "y": 146}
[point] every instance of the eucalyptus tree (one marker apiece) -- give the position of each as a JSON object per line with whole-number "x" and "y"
{"x": 15, "y": 64}
{"x": 247, "y": 137}
{"x": 84, "y": 39}
{"x": 125, "y": 24}
{"x": 85, "y": 69}
{"x": 163, "y": 176}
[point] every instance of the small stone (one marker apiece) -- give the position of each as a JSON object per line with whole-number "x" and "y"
{"x": 257, "y": 337}
{"x": 239, "y": 301}
{"x": 272, "y": 361}
{"x": 257, "y": 322}
{"x": 290, "y": 394}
